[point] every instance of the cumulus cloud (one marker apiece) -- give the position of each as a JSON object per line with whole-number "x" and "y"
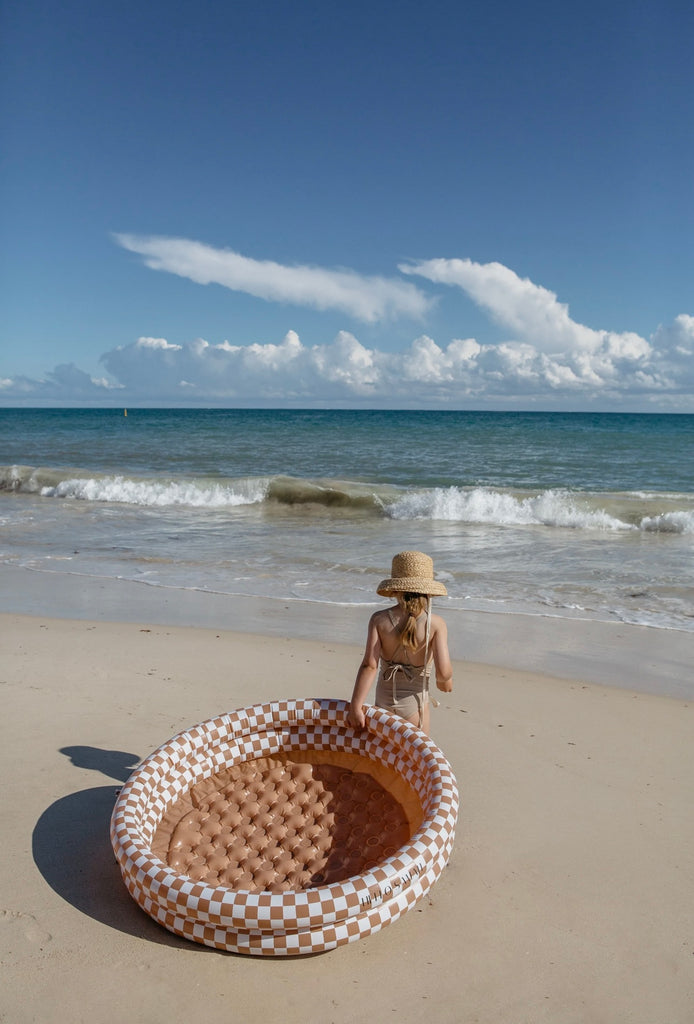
{"x": 284, "y": 372}
{"x": 65, "y": 382}
{"x": 156, "y": 345}
{"x": 369, "y": 299}
{"x": 676, "y": 348}
{"x": 548, "y": 361}
{"x": 463, "y": 372}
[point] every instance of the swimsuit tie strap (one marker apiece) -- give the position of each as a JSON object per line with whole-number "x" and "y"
{"x": 427, "y": 665}
{"x": 389, "y": 677}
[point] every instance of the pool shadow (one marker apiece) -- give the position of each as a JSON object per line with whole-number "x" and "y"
{"x": 71, "y": 848}
{"x": 116, "y": 764}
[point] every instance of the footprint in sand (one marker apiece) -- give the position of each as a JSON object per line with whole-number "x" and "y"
{"x": 17, "y": 932}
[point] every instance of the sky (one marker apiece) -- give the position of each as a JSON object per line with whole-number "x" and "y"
{"x": 442, "y": 205}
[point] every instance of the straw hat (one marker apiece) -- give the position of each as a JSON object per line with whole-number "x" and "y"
{"x": 412, "y": 572}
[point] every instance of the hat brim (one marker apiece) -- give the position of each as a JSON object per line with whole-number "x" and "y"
{"x": 411, "y": 585}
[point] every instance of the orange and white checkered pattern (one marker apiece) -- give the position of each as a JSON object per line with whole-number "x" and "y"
{"x": 298, "y": 921}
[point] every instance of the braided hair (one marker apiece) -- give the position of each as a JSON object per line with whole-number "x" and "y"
{"x": 414, "y": 605}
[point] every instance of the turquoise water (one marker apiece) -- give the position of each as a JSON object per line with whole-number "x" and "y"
{"x": 588, "y": 515}
{"x": 587, "y": 451}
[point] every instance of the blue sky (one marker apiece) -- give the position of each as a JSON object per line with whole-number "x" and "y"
{"x": 441, "y": 205}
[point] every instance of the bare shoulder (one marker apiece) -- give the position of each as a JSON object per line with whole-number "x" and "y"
{"x": 438, "y": 624}
{"x": 381, "y": 619}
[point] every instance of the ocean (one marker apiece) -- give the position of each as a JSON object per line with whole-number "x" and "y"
{"x": 576, "y": 515}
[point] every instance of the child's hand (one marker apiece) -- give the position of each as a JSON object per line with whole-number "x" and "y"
{"x": 356, "y": 716}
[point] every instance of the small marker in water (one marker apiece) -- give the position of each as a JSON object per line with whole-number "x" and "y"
{"x": 125, "y": 412}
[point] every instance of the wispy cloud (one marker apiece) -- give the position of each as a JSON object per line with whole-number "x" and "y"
{"x": 532, "y": 313}
{"x": 369, "y": 299}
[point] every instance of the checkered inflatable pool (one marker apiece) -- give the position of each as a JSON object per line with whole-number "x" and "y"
{"x": 306, "y": 920}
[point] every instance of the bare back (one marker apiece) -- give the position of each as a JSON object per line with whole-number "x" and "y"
{"x": 390, "y": 624}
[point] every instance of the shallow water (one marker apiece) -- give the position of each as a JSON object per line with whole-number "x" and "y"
{"x": 588, "y": 515}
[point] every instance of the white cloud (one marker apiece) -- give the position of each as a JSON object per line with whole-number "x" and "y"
{"x": 532, "y": 312}
{"x": 676, "y": 346}
{"x": 550, "y": 361}
{"x": 347, "y": 363}
{"x": 157, "y": 344}
{"x": 65, "y": 382}
{"x": 464, "y": 371}
{"x": 426, "y": 363}
{"x": 679, "y": 336}
{"x": 370, "y": 299}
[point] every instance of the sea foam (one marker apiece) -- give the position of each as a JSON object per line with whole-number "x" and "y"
{"x": 669, "y": 522}
{"x": 486, "y": 505}
{"x": 159, "y": 493}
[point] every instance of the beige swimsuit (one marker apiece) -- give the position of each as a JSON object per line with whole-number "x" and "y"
{"x": 402, "y": 687}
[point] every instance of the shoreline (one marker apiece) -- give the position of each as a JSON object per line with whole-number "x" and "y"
{"x": 643, "y": 659}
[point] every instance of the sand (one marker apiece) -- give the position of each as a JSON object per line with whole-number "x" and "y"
{"x": 568, "y": 898}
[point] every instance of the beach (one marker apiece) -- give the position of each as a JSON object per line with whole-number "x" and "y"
{"x": 161, "y": 569}
{"x": 567, "y": 898}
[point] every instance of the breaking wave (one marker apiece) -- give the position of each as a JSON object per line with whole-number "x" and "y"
{"x": 557, "y": 508}
{"x": 486, "y": 505}
{"x": 50, "y": 483}
{"x": 650, "y": 513}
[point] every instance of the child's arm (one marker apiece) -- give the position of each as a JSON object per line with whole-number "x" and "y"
{"x": 365, "y": 676}
{"x": 442, "y": 659}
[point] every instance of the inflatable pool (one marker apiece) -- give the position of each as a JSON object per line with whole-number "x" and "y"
{"x": 280, "y": 830}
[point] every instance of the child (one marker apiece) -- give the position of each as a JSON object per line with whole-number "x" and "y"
{"x": 405, "y": 639}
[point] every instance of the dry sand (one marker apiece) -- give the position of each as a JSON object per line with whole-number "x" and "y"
{"x": 568, "y": 898}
